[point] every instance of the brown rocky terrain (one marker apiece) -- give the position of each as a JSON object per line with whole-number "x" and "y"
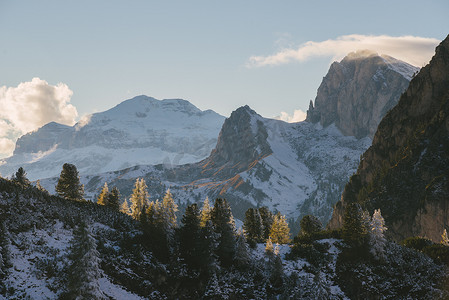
{"x": 405, "y": 172}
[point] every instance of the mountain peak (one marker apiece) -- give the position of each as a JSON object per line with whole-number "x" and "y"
{"x": 242, "y": 140}
{"x": 358, "y": 91}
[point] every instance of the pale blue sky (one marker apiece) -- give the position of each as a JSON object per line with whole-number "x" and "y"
{"x": 109, "y": 51}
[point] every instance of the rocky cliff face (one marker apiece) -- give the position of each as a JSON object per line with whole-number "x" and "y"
{"x": 358, "y": 91}
{"x": 405, "y": 172}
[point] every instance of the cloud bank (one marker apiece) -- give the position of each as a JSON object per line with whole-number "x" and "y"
{"x": 412, "y": 49}
{"x": 29, "y": 106}
{"x": 298, "y": 116}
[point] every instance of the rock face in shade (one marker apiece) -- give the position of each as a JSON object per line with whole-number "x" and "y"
{"x": 405, "y": 172}
{"x": 358, "y": 91}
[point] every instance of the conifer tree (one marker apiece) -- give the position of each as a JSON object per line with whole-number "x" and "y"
{"x": 320, "y": 290}
{"x": 280, "y": 233}
{"x": 253, "y": 226}
{"x": 205, "y": 212}
{"x": 21, "y": 178}
{"x": 103, "y": 198}
{"x": 377, "y": 238}
{"x": 5, "y": 259}
{"x": 242, "y": 257}
{"x": 139, "y": 199}
{"x": 444, "y": 238}
{"x": 169, "y": 209}
{"x": 124, "y": 208}
{"x": 277, "y": 271}
{"x": 267, "y": 221}
{"x": 40, "y": 187}
{"x": 354, "y": 226}
{"x": 69, "y": 186}
{"x": 114, "y": 199}
{"x": 269, "y": 247}
{"x": 310, "y": 225}
{"x": 224, "y": 225}
{"x": 207, "y": 247}
{"x": 189, "y": 235}
{"x": 84, "y": 271}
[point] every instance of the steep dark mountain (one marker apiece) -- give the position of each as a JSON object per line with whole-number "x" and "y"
{"x": 358, "y": 91}
{"x": 405, "y": 172}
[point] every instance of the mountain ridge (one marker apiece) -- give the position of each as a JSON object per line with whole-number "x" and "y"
{"x": 140, "y": 130}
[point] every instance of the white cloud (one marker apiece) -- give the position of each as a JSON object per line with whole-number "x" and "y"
{"x": 298, "y": 116}
{"x": 412, "y": 49}
{"x": 6, "y": 146}
{"x": 31, "y": 105}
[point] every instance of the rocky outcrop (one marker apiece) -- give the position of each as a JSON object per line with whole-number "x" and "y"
{"x": 242, "y": 141}
{"x": 358, "y": 91}
{"x": 405, "y": 172}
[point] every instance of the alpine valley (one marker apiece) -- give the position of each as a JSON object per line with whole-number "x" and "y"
{"x": 164, "y": 239}
{"x": 296, "y": 169}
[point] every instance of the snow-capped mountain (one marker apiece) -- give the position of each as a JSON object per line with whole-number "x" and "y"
{"x": 296, "y": 169}
{"x": 138, "y": 131}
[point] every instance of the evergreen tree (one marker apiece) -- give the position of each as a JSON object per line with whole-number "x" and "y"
{"x": 310, "y": 225}
{"x": 208, "y": 244}
{"x": 444, "y": 238}
{"x": 139, "y": 199}
{"x": 280, "y": 233}
{"x": 253, "y": 227}
{"x": 169, "y": 209}
{"x": 40, "y": 187}
{"x": 377, "y": 238}
{"x": 114, "y": 199}
{"x": 189, "y": 235}
{"x": 355, "y": 230}
{"x": 320, "y": 289}
{"x": 269, "y": 247}
{"x": 5, "y": 259}
{"x": 277, "y": 271}
{"x": 21, "y": 178}
{"x": 69, "y": 186}
{"x": 205, "y": 212}
{"x": 267, "y": 221}
{"x": 84, "y": 271}
{"x": 103, "y": 198}
{"x": 242, "y": 256}
{"x": 124, "y": 208}
{"x": 224, "y": 225}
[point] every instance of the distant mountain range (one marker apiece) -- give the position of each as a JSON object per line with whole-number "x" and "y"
{"x": 138, "y": 131}
{"x": 297, "y": 169}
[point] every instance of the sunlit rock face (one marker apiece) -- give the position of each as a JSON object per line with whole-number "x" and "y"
{"x": 358, "y": 91}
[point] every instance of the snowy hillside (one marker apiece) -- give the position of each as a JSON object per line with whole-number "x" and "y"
{"x": 138, "y": 131}
{"x": 38, "y": 233}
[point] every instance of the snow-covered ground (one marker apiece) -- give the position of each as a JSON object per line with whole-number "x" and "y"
{"x": 35, "y": 254}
